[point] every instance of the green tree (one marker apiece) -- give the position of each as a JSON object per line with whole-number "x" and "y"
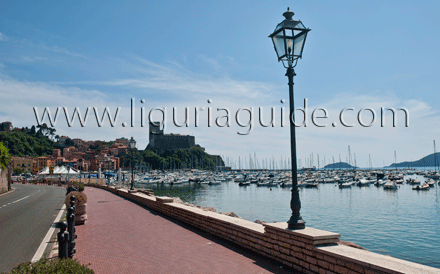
{"x": 24, "y": 143}
{"x": 155, "y": 161}
{"x": 4, "y": 156}
{"x": 69, "y": 142}
{"x": 17, "y": 171}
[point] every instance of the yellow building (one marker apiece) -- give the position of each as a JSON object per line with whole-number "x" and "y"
{"x": 24, "y": 163}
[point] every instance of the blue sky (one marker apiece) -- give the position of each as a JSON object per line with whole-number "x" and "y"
{"x": 172, "y": 54}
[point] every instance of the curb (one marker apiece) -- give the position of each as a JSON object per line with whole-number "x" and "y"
{"x": 7, "y": 192}
{"x": 49, "y": 235}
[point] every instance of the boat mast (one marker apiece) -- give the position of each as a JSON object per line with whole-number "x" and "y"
{"x": 355, "y": 165}
{"x": 435, "y": 159}
{"x": 349, "y": 156}
{"x": 340, "y": 160}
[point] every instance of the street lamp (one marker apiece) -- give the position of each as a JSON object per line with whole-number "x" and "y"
{"x": 108, "y": 169}
{"x": 132, "y": 145}
{"x": 288, "y": 40}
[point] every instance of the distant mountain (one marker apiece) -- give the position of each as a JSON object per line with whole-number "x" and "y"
{"x": 339, "y": 165}
{"x": 430, "y": 160}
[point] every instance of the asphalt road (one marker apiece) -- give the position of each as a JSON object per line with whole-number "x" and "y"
{"x": 25, "y": 217}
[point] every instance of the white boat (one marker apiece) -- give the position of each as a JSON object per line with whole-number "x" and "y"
{"x": 425, "y": 186}
{"x": 310, "y": 185}
{"x": 390, "y": 185}
{"x": 346, "y": 185}
{"x": 363, "y": 182}
{"x": 413, "y": 181}
{"x": 430, "y": 182}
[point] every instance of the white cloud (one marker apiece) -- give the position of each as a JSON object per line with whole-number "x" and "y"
{"x": 33, "y": 59}
{"x": 3, "y": 37}
{"x": 57, "y": 49}
{"x": 176, "y": 80}
{"x": 172, "y": 85}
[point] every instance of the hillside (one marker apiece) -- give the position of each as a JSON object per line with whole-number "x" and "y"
{"x": 194, "y": 157}
{"x": 427, "y": 161}
{"x": 25, "y": 143}
{"x": 37, "y": 142}
{"x": 339, "y": 165}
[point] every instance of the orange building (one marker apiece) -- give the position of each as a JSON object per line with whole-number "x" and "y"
{"x": 40, "y": 163}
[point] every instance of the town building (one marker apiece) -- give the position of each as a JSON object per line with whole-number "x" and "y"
{"x": 122, "y": 141}
{"x": 26, "y": 164}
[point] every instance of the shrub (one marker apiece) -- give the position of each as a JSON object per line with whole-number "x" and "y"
{"x": 80, "y": 198}
{"x": 45, "y": 265}
{"x": 79, "y": 185}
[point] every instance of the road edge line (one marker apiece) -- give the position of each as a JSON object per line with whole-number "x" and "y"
{"x": 46, "y": 240}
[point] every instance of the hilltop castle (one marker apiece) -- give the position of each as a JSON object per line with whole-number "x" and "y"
{"x": 160, "y": 142}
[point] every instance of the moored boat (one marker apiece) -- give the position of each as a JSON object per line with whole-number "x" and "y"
{"x": 390, "y": 185}
{"x": 425, "y": 186}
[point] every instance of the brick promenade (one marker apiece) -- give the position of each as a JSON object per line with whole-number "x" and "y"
{"x": 123, "y": 237}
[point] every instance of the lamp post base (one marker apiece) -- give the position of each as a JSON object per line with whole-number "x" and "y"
{"x": 296, "y": 223}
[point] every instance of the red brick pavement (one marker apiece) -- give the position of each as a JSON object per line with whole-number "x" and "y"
{"x": 123, "y": 237}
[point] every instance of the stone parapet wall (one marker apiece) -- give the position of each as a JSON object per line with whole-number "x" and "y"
{"x": 308, "y": 250}
{"x": 63, "y": 182}
{"x": 100, "y": 181}
{"x": 3, "y": 181}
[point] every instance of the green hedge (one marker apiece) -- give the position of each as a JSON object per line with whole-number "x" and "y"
{"x": 46, "y": 266}
{"x": 79, "y": 185}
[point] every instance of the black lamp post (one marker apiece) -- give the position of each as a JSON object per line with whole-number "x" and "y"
{"x": 132, "y": 145}
{"x": 108, "y": 169}
{"x": 288, "y": 39}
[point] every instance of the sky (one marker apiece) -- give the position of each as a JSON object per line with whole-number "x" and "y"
{"x": 170, "y": 54}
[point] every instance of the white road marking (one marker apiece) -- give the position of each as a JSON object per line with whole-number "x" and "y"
{"x": 21, "y": 199}
{"x": 46, "y": 239}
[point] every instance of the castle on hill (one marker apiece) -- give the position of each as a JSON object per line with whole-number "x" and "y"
{"x": 161, "y": 143}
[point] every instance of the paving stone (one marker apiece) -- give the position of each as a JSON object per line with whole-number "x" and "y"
{"x": 123, "y": 237}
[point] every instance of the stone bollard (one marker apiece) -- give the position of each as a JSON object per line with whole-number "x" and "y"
{"x": 63, "y": 238}
{"x": 71, "y": 227}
